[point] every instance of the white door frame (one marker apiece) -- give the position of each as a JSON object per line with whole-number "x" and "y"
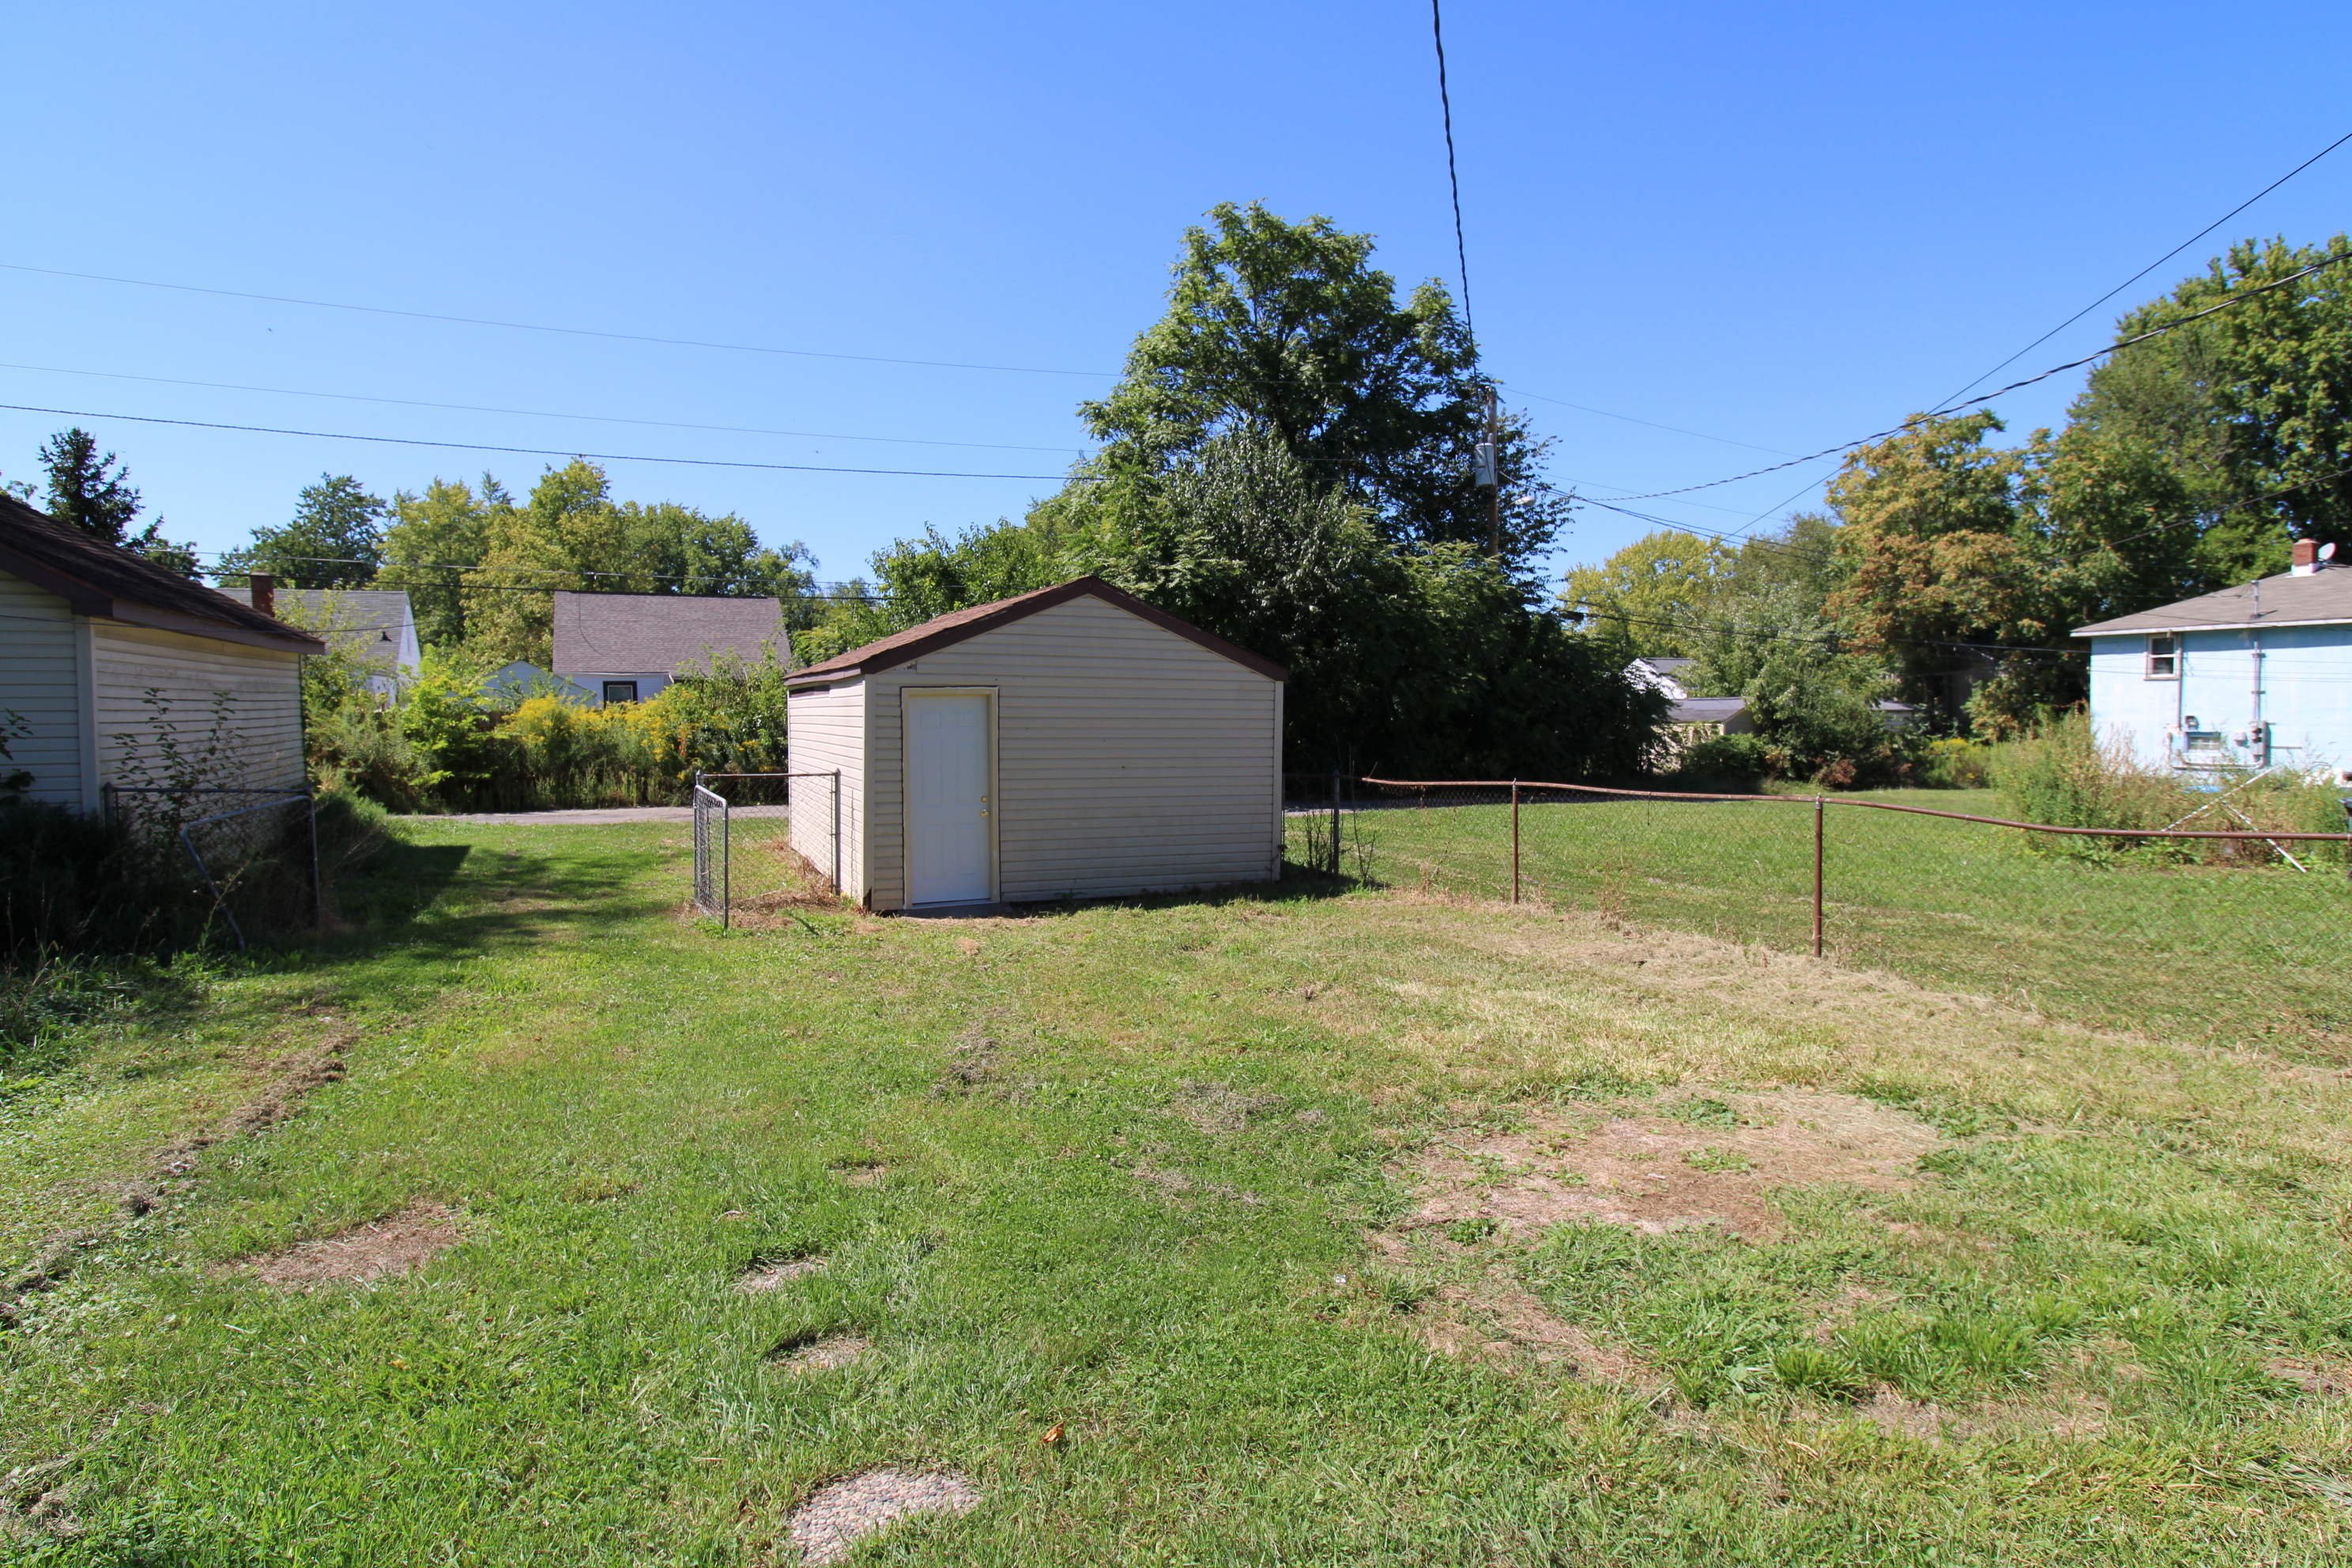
{"x": 995, "y": 799}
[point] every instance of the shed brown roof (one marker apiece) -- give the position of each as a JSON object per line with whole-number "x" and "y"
{"x": 105, "y": 580}
{"x": 956, "y": 626}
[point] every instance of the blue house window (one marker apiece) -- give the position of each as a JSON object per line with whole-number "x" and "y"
{"x": 620, "y": 692}
{"x": 2163, "y": 655}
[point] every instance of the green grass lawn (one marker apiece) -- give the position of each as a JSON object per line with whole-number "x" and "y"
{"x": 2210, "y": 953}
{"x": 1235, "y": 1193}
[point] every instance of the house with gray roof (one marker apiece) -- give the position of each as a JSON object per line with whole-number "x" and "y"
{"x": 2252, "y": 677}
{"x": 375, "y": 626}
{"x": 624, "y": 647}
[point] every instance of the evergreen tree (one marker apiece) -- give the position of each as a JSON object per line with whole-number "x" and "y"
{"x": 87, "y": 489}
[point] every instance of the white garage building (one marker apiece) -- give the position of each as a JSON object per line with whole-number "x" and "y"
{"x": 1069, "y": 743}
{"x": 109, "y": 661}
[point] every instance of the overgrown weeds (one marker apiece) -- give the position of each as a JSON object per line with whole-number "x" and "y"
{"x": 2067, "y": 776}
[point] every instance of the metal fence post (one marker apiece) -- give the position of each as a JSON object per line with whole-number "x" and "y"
{"x": 1335, "y": 822}
{"x": 1514, "y": 841}
{"x": 836, "y": 833}
{"x": 318, "y": 884}
{"x": 1821, "y": 811}
{"x": 726, "y": 865}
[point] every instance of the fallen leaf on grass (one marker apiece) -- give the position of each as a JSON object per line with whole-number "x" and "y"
{"x": 1052, "y": 1434}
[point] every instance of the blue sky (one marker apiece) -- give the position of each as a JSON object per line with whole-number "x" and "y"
{"x": 1772, "y": 227}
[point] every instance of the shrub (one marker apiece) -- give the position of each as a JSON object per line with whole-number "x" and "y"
{"x": 1729, "y": 759}
{"x": 1954, "y": 761}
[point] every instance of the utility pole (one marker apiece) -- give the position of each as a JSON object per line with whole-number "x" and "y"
{"x": 1489, "y": 475}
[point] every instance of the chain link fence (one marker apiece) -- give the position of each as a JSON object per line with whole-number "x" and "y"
{"x": 254, "y": 852}
{"x": 765, "y": 843}
{"x": 2229, "y": 935}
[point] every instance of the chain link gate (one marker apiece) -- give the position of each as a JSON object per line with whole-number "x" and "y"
{"x": 790, "y": 826}
{"x": 260, "y": 856}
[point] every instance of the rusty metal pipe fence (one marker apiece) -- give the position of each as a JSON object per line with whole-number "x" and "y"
{"x": 2221, "y": 933}
{"x": 255, "y": 851}
{"x": 765, "y": 842}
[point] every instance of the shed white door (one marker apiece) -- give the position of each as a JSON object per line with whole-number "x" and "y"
{"x": 947, "y": 799}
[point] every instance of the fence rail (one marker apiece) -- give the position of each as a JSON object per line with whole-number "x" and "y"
{"x": 2234, "y": 931}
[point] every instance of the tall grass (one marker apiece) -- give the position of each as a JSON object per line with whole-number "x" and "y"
{"x": 2066, "y": 774}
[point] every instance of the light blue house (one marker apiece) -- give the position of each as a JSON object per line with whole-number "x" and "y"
{"x": 2253, "y": 676}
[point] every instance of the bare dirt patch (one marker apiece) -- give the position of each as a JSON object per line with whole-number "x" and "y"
{"x": 974, "y": 1064}
{"x": 1218, "y": 1107}
{"x": 397, "y": 1244}
{"x": 838, "y": 1517}
{"x": 2316, "y": 1376}
{"x": 1498, "y": 1319}
{"x": 294, "y": 1077}
{"x": 1716, "y": 1165}
{"x": 1176, "y": 1184}
{"x": 820, "y": 1353}
{"x": 770, "y": 1275}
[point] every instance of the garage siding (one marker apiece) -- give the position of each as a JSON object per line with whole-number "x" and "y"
{"x": 828, "y": 734}
{"x": 1128, "y": 758}
{"x": 40, "y": 683}
{"x": 263, "y": 728}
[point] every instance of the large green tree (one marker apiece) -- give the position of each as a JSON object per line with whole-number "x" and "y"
{"x": 1288, "y": 328}
{"x": 89, "y": 489}
{"x": 1416, "y": 659}
{"x": 1655, "y": 596}
{"x": 433, "y": 540}
{"x": 92, "y": 491}
{"x": 335, "y": 539}
{"x": 2251, "y": 408}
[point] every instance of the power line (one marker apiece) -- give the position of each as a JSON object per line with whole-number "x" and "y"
{"x": 1445, "y": 104}
{"x": 2236, "y": 298}
{"x": 539, "y": 326}
{"x": 1628, "y": 418}
{"x": 2159, "y": 261}
{"x": 544, "y": 451}
{"x": 529, "y": 413}
{"x": 1823, "y": 557}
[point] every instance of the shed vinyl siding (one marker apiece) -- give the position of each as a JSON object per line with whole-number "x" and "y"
{"x": 40, "y": 682}
{"x": 264, "y": 728}
{"x": 828, "y": 734}
{"x": 1128, "y": 758}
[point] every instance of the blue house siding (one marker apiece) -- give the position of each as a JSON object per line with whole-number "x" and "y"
{"x": 2303, "y": 709}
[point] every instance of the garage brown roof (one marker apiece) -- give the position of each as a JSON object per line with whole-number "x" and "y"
{"x": 958, "y": 625}
{"x": 108, "y": 581}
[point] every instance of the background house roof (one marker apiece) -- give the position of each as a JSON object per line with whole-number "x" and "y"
{"x": 106, "y": 579}
{"x": 660, "y": 634}
{"x": 366, "y": 622}
{"x": 956, "y": 625}
{"x": 2316, "y": 598}
{"x": 1707, "y": 710}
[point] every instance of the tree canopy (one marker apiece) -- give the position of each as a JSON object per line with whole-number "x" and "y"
{"x": 92, "y": 491}
{"x": 335, "y": 539}
{"x": 1287, "y": 463}
{"x": 1287, "y": 327}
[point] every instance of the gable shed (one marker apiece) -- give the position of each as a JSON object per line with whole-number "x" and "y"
{"x": 1074, "y": 742}
{"x": 105, "y": 657}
